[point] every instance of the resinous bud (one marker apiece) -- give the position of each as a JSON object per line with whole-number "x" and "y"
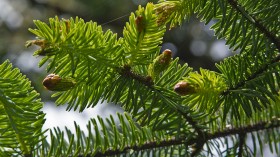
{"x": 139, "y": 21}
{"x": 45, "y": 50}
{"x": 40, "y": 42}
{"x": 184, "y": 88}
{"x": 54, "y": 82}
{"x": 160, "y": 63}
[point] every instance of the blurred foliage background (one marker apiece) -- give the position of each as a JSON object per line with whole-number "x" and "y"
{"x": 194, "y": 42}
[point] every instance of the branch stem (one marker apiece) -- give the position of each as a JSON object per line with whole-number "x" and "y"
{"x": 261, "y": 126}
{"x": 241, "y": 144}
{"x": 254, "y": 75}
{"x": 257, "y": 23}
{"x": 147, "y": 81}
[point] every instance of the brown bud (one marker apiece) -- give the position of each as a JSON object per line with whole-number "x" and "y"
{"x": 160, "y": 63}
{"x": 45, "y": 50}
{"x": 67, "y": 25}
{"x": 139, "y": 21}
{"x": 164, "y": 11}
{"x": 167, "y": 54}
{"x": 56, "y": 83}
{"x": 184, "y": 88}
{"x": 40, "y": 42}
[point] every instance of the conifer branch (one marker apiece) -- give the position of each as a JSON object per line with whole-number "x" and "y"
{"x": 200, "y": 139}
{"x": 253, "y": 76}
{"x": 193, "y": 123}
{"x": 147, "y": 81}
{"x": 181, "y": 126}
{"x": 245, "y": 129}
{"x": 257, "y": 23}
{"x": 148, "y": 145}
{"x": 241, "y": 131}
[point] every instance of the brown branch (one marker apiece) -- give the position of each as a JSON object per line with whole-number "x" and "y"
{"x": 241, "y": 144}
{"x": 149, "y": 145}
{"x": 254, "y": 75}
{"x": 261, "y": 126}
{"x": 147, "y": 81}
{"x": 269, "y": 35}
{"x": 201, "y": 135}
{"x": 258, "y": 24}
{"x": 128, "y": 73}
{"x": 193, "y": 123}
{"x": 246, "y": 129}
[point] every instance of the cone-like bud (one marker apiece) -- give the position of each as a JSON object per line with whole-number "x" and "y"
{"x": 55, "y": 83}
{"x": 184, "y": 88}
{"x": 40, "y": 42}
{"x": 139, "y": 21}
{"x": 163, "y": 11}
{"x": 67, "y": 24}
{"x": 45, "y": 50}
{"x": 160, "y": 63}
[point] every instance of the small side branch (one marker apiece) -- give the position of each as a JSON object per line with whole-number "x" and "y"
{"x": 257, "y": 23}
{"x": 127, "y": 72}
{"x": 254, "y": 75}
{"x": 194, "y": 125}
{"x": 147, "y": 81}
{"x": 148, "y": 145}
{"x": 200, "y": 139}
{"x": 202, "y": 136}
{"x": 246, "y": 129}
{"x": 241, "y": 144}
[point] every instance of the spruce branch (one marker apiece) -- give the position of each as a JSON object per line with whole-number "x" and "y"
{"x": 146, "y": 146}
{"x": 21, "y": 119}
{"x": 257, "y": 23}
{"x": 253, "y": 75}
{"x": 126, "y": 81}
{"x": 147, "y": 81}
{"x": 261, "y": 126}
{"x": 201, "y": 134}
{"x": 241, "y": 131}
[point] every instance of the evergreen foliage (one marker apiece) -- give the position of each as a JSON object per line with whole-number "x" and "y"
{"x": 21, "y": 119}
{"x": 239, "y": 101}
